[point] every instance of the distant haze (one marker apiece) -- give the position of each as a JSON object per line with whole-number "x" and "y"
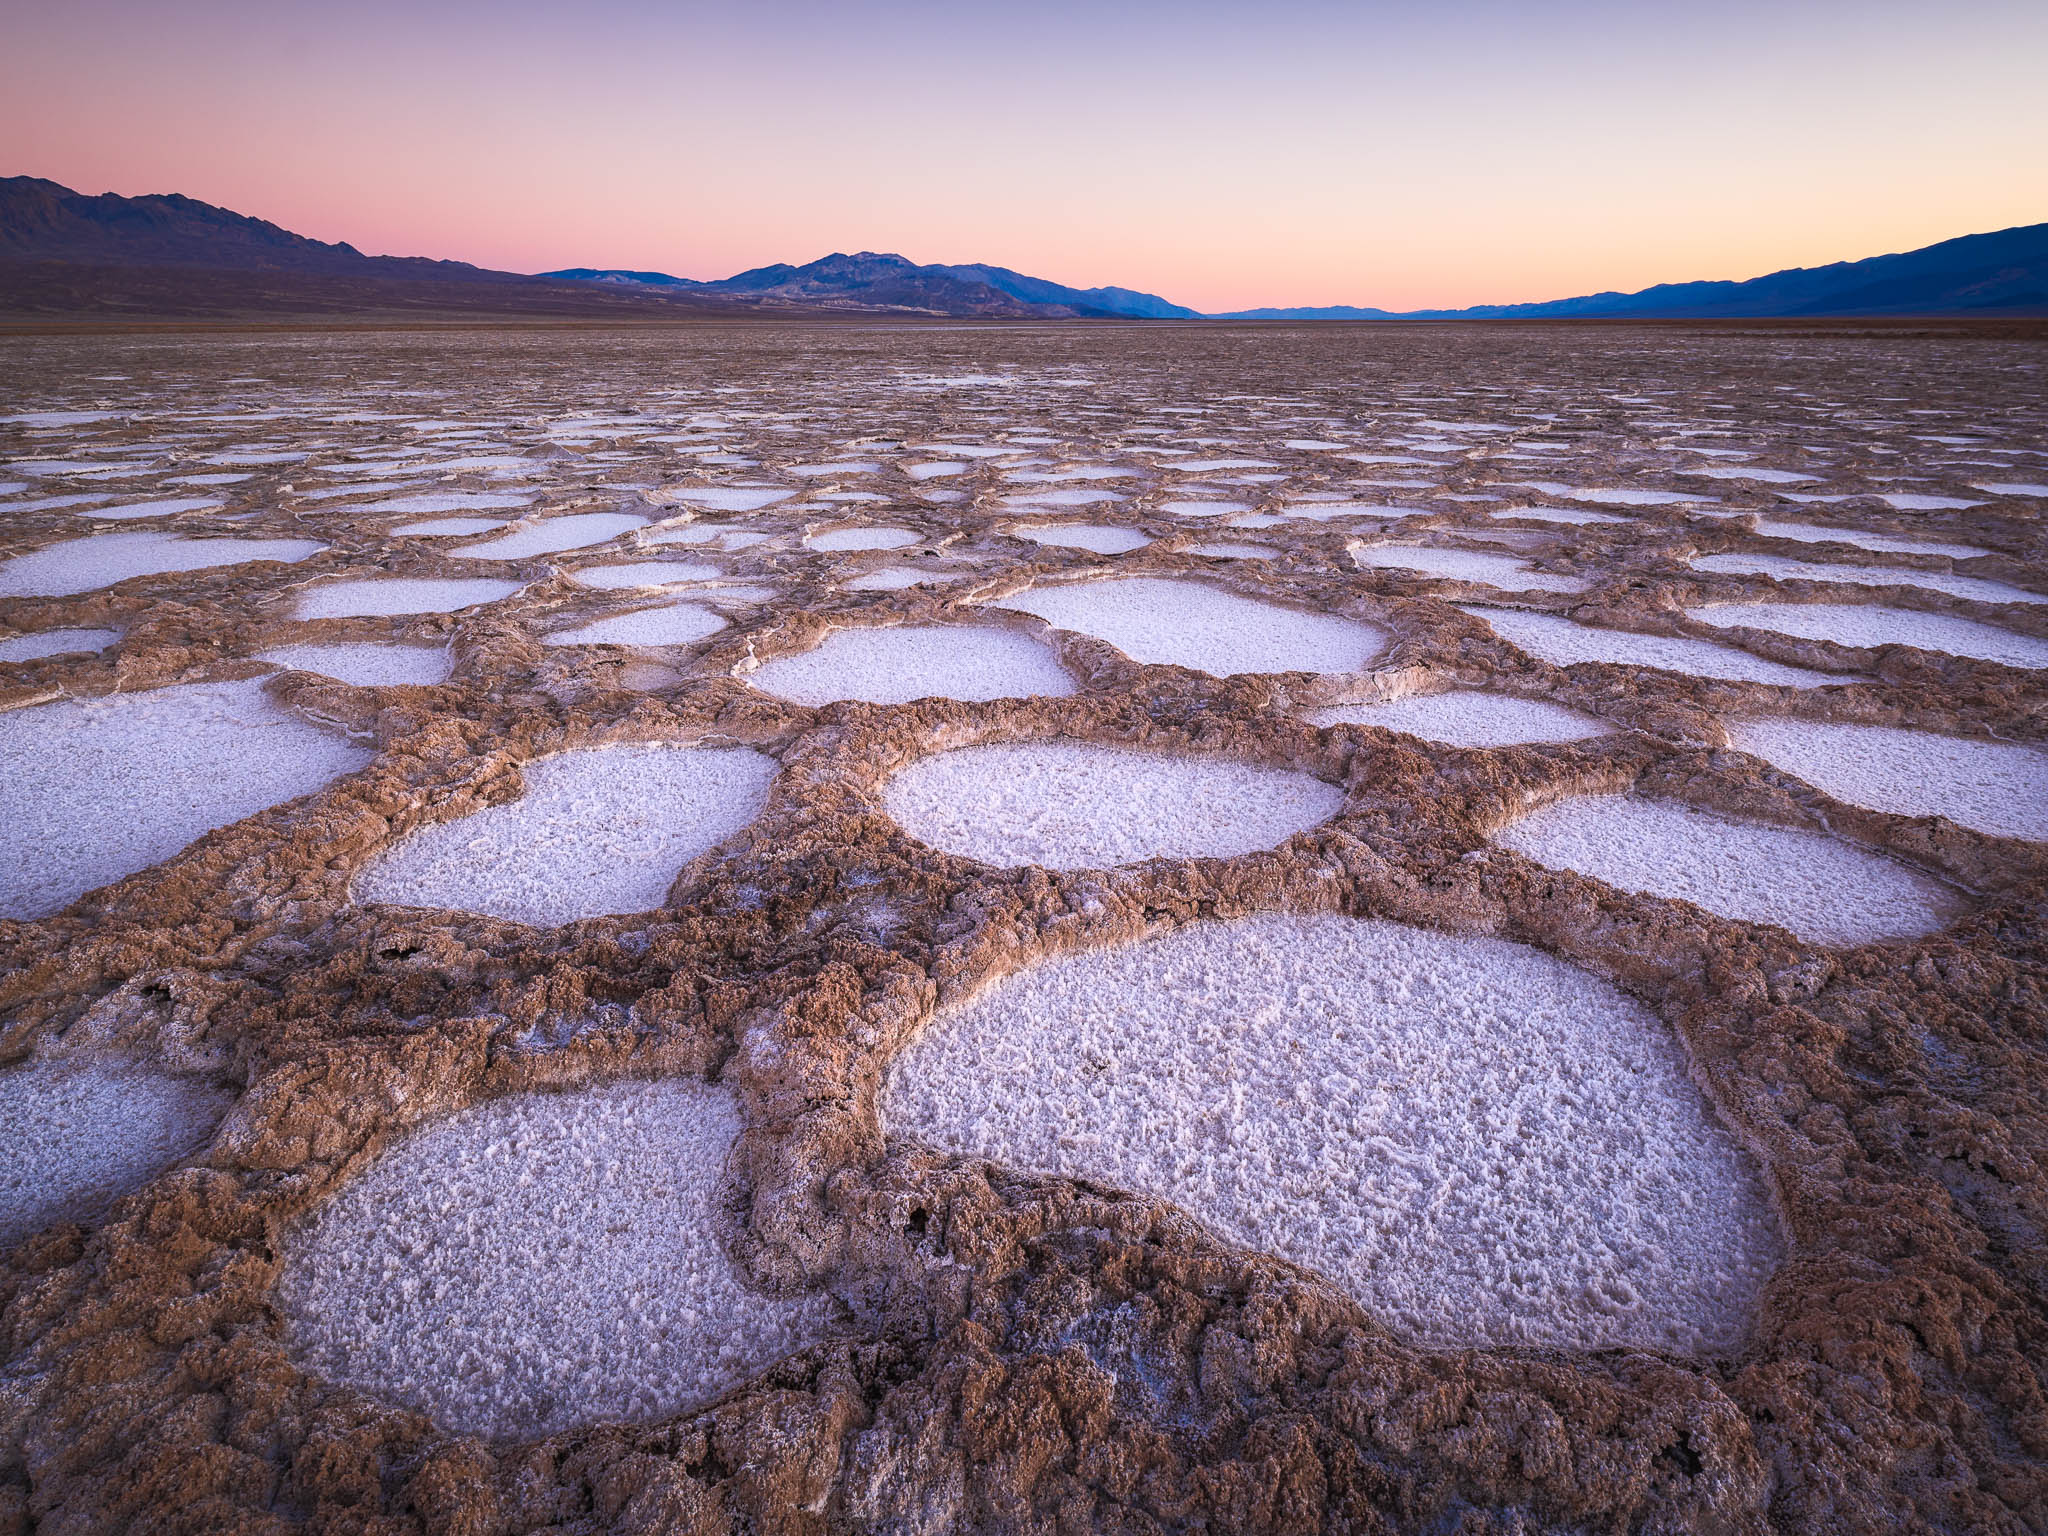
{"x": 1299, "y": 153}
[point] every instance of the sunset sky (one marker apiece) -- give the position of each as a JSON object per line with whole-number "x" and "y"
{"x": 1296, "y": 152}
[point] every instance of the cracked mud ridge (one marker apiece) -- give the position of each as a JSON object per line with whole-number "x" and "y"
{"x": 1024, "y": 930}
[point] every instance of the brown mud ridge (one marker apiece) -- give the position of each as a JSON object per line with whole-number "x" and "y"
{"x": 1014, "y": 1351}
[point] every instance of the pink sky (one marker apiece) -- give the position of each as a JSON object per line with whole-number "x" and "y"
{"x": 1301, "y": 153}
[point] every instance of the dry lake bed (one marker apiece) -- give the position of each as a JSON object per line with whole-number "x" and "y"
{"x": 800, "y": 928}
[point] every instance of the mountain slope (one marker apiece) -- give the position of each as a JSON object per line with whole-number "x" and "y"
{"x": 2004, "y": 272}
{"x": 870, "y": 279}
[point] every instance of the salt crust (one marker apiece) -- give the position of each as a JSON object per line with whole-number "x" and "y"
{"x": 389, "y": 595}
{"x": 552, "y": 535}
{"x": 81, "y": 565}
{"x": 837, "y": 540}
{"x": 537, "y": 1262}
{"x": 1867, "y": 576}
{"x": 1502, "y": 571}
{"x": 733, "y": 498}
{"x": 133, "y": 509}
{"x": 1883, "y": 543}
{"x": 1234, "y": 551}
{"x": 368, "y": 665}
{"x": 1862, "y": 624}
{"x": 1073, "y": 805}
{"x": 1562, "y": 643}
{"x": 1187, "y": 624}
{"x": 1823, "y": 890}
{"x": 897, "y": 578}
{"x": 897, "y": 664}
{"x": 56, "y": 642}
{"x": 442, "y": 527}
{"x": 1482, "y": 1144}
{"x": 644, "y": 573}
{"x": 598, "y": 831}
{"x": 79, "y": 1137}
{"x": 1995, "y": 787}
{"x": 1558, "y": 515}
{"x": 1468, "y": 719}
{"x": 1100, "y": 538}
{"x": 100, "y": 788}
{"x": 677, "y": 624}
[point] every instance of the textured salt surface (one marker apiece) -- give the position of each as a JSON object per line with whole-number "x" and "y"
{"x": 81, "y": 565}
{"x": 1502, "y": 571}
{"x": 552, "y": 535}
{"x": 839, "y": 540}
{"x": 100, "y": 788}
{"x": 1234, "y": 551}
{"x": 677, "y": 624}
{"x": 1188, "y": 624}
{"x": 441, "y": 527}
{"x": 1562, "y": 643}
{"x": 1073, "y": 805}
{"x": 1558, "y": 515}
{"x": 904, "y": 662}
{"x": 1861, "y": 624}
{"x": 1867, "y": 576}
{"x": 133, "y": 509}
{"x": 1469, "y": 719}
{"x": 368, "y": 665}
{"x": 597, "y": 831}
{"x": 1994, "y": 787}
{"x": 449, "y": 501}
{"x": 80, "y": 1137}
{"x": 400, "y": 594}
{"x": 1884, "y": 543}
{"x": 644, "y": 573}
{"x": 1823, "y": 890}
{"x": 733, "y": 498}
{"x": 1101, "y": 539}
{"x": 1482, "y": 1144}
{"x": 56, "y": 642}
{"x": 897, "y": 578}
{"x": 537, "y": 1262}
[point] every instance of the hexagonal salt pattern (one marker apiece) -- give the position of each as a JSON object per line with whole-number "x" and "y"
{"x": 1823, "y": 890}
{"x": 1076, "y": 805}
{"x": 1482, "y": 1144}
{"x": 604, "y": 829}
{"x": 897, "y": 664}
{"x": 537, "y": 1262}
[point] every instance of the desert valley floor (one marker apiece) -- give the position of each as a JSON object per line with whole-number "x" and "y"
{"x": 799, "y": 929}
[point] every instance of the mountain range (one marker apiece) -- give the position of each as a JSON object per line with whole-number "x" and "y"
{"x": 66, "y": 254}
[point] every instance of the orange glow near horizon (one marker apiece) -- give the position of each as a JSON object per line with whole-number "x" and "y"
{"x": 1314, "y": 154}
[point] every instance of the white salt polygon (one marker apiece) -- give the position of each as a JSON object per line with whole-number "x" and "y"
{"x": 1747, "y": 472}
{"x": 733, "y": 498}
{"x": 1995, "y": 787}
{"x": 100, "y": 788}
{"x": 1617, "y": 496}
{"x": 1189, "y": 624}
{"x": 1502, "y": 571}
{"x": 1883, "y": 543}
{"x": 1563, "y": 643}
{"x": 1234, "y": 551}
{"x": 1075, "y": 805}
{"x": 1099, "y": 538}
{"x": 598, "y": 831}
{"x": 851, "y": 467}
{"x": 1558, "y": 515}
{"x": 2012, "y": 488}
{"x": 1469, "y": 719}
{"x": 83, "y": 565}
{"x": 840, "y": 540}
{"x": 1866, "y": 576}
{"x": 537, "y": 1262}
{"x": 368, "y": 665}
{"x": 1914, "y": 501}
{"x": 901, "y": 663}
{"x": 1864, "y": 624}
{"x": 898, "y": 578}
{"x": 1203, "y": 508}
{"x": 79, "y": 1137}
{"x": 575, "y": 530}
{"x": 1075, "y": 497}
{"x": 1483, "y": 1145}
{"x": 391, "y": 595}
{"x": 935, "y": 471}
{"x": 644, "y": 573}
{"x": 442, "y": 527}
{"x": 676, "y": 624}
{"x": 1821, "y": 889}
{"x": 167, "y": 508}
{"x": 450, "y": 501}
{"x": 56, "y": 642}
